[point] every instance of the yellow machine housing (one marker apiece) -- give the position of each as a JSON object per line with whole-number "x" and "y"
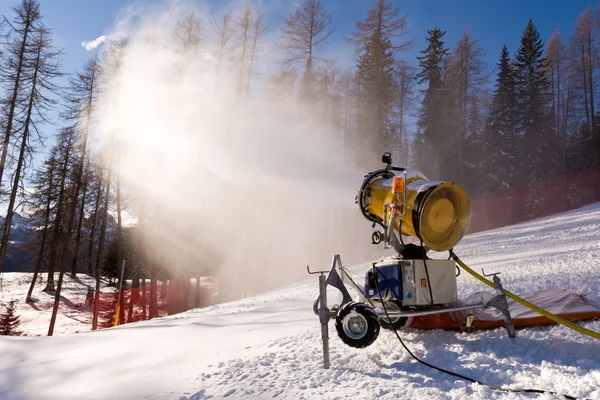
{"x": 438, "y": 213}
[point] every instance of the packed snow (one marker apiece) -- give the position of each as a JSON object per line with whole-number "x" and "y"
{"x": 73, "y": 314}
{"x": 269, "y": 346}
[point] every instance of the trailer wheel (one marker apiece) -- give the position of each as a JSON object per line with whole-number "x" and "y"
{"x": 393, "y": 323}
{"x": 357, "y": 324}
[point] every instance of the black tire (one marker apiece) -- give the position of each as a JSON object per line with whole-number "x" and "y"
{"x": 357, "y": 324}
{"x": 396, "y": 323}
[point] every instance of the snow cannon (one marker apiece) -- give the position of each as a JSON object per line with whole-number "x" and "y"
{"x": 406, "y": 202}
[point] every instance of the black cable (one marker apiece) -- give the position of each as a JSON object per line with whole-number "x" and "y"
{"x": 466, "y": 378}
{"x": 400, "y": 231}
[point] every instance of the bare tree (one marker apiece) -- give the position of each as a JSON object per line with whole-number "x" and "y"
{"x": 44, "y": 183}
{"x": 583, "y": 60}
{"x": 557, "y": 64}
{"x": 466, "y": 75}
{"x": 27, "y": 20}
{"x": 83, "y": 91}
{"x": 40, "y": 71}
{"x": 188, "y": 32}
{"x": 259, "y": 29}
{"x": 225, "y": 30}
{"x": 345, "y": 88}
{"x": 243, "y": 28}
{"x": 405, "y": 101}
{"x": 304, "y": 29}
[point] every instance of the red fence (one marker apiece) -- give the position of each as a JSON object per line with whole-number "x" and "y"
{"x": 535, "y": 200}
{"x": 156, "y": 299}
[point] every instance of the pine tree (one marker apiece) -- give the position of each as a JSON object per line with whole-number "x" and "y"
{"x": 538, "y": 151}
{"x": 501, "y": 136}
{"x": 466, "y": 78}
{"x": 539, "y": 138}
{"x": 376, "y": 44}
{"x": 434, "y": 124}
{"x": 9, "y": 321}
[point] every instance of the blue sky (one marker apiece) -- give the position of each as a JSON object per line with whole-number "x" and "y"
{"x": 491, "y": 22}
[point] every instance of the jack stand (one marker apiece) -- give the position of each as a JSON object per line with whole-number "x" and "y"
{"x": 320, "y": 305}
{"x": 324, "y": 313}
{"x": 499, "y": 301}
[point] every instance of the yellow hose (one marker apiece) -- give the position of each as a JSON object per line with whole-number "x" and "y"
{"x": 527, "y": 304}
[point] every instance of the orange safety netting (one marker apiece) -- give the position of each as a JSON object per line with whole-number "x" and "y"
{"x": 155, "y": 299}
{"x": 570, "y": 306}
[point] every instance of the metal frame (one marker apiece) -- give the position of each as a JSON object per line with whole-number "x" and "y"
{"x": 340, "y": 279}
{"x": 388, "y": 238}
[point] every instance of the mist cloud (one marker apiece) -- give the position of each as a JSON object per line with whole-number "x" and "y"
{"x": 92, "y": 44}
{"x": 252, "y": 187}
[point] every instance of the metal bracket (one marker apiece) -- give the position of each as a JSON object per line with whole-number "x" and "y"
{"x": 501, "y": 303}
{"x": 315, "y": 272}
{"x": 492, "y": 274}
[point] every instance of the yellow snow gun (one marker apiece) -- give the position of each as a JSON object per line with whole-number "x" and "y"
{"x": 405, "y": 201}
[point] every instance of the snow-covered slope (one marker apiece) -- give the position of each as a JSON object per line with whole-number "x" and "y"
{"x": 269, "y": 346}
{"x": 73, "y": 314}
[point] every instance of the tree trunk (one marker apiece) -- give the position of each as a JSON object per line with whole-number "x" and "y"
{"x": 153, "y": 298}
{"x": 100, "y": 256}
{"x": 80, "y": 223}
{"x": 94, "y": 222}
{"x": 119, "y": 217}
{"x": 591, "y": 82}
{"x": 585, "y": 95}
{"x": 38, "y": 263}
{"x": 199, "y": 292}
{"x": 245, "y": 28}
{"x": 143, "y": 299}
{"x": 57, "y": 236}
